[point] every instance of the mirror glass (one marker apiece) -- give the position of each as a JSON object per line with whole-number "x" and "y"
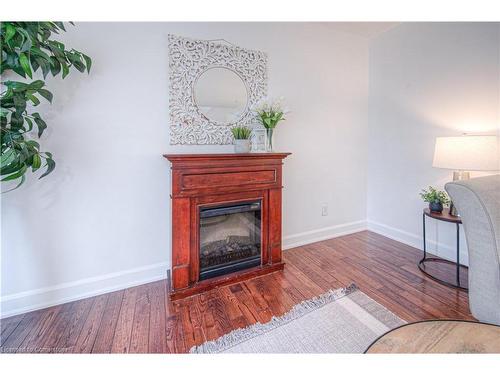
{"x": 221, "y": 95}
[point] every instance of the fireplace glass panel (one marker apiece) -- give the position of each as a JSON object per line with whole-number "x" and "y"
{"x": 230, "y": 238}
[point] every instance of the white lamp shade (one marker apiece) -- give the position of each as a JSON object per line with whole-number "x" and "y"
{"x": 467, "y": 153}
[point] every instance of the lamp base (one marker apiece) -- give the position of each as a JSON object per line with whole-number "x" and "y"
{"x": 458, "y": 176}
{"x": 461, "y": 175}
{"x": 453, "y": 210}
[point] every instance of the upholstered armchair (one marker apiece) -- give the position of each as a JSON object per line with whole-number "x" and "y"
{"x": 478, "y": 203}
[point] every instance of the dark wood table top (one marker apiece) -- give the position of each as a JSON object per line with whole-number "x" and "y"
{"x": 444, "y": 216}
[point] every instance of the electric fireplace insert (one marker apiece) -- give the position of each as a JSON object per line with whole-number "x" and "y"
{"x": 230, "y": 238}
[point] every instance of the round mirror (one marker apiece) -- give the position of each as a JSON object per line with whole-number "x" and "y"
{"x": 221, "y": 95}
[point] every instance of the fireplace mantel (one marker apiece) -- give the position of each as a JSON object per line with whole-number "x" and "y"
{"x": 201, "y": 180}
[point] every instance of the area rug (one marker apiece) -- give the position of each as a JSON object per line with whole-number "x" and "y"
{"x": 339, "y": 321}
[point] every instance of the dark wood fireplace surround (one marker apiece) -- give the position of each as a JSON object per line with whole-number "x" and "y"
{"x": 201, "y": 180}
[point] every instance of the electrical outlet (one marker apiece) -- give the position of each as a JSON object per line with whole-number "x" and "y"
{"x": 324, "y": 210}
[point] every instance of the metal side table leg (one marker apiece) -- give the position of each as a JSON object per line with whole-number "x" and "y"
{"x": 425, "y": 246}
{"x": 458, "y": 255}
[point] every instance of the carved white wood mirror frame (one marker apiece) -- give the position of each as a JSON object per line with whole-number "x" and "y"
{"x": 188, "y": 60}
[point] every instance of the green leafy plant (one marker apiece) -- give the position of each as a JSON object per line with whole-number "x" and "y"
{"x": 241, "y": 132}
{"x": 270, "y": 114}
{"x": 434, "y": 196}
{"x": 28, "y": 47}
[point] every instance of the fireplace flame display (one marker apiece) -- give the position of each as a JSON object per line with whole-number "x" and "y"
{"x": 230, "y": 238}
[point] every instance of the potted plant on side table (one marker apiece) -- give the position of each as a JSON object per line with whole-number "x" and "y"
{"x": 437, "y": 199}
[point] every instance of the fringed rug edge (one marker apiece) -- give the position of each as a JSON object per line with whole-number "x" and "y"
{"x": 240, "y": 335}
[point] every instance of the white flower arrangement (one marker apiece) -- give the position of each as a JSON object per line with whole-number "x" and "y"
{"x": 270, "y": 112}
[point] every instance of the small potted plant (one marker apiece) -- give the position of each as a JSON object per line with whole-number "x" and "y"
{"x": 241, "y": 136}
{"x": 436, "y": 199}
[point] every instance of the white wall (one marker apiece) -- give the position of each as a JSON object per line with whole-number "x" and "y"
{"x": 101, "y": 221}
{"x": 426, "y": 80}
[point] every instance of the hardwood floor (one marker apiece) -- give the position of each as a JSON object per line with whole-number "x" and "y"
{"x": 143, "y": 319}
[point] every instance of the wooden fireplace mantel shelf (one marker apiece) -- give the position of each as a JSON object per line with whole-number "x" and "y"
{"x": 202, "y": 180}
{"x": 180, "y": 161}
{"x": 254, "y": 155}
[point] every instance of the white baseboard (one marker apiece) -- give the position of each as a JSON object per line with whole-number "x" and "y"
{"x": 23, "y": 302}
{"x": 322, "y": 234}
{"x": 414, "y": 240}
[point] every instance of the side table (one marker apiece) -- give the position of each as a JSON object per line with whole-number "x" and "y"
{"x": 444, "y": 216}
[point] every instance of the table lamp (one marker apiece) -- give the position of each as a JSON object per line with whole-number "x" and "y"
{"x": 466, "y": 153}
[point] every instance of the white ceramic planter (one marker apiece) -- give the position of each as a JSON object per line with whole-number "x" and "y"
{"x": 241, "y": 146}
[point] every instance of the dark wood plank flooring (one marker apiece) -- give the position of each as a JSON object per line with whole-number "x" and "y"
{"x": 143, "y": 319}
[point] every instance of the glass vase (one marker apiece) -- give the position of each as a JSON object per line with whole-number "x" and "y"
{"x": 269, "y": 139}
